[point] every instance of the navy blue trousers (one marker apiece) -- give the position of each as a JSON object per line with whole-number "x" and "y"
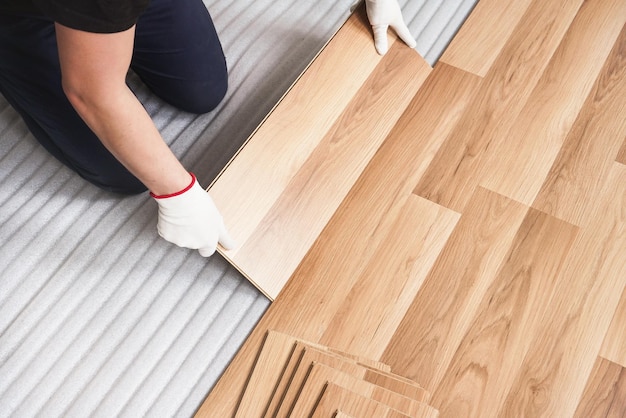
{"x": 177, "y": 55}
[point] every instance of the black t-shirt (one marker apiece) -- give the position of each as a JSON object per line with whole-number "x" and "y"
{"x": 101, "y": 16}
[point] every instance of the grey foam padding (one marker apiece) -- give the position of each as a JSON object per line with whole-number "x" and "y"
{"x": 99, "y": 316}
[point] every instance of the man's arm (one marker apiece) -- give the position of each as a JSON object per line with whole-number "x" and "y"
{"x": 94, "y": 67}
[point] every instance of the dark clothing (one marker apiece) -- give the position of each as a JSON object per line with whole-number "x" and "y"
{"x": 177, "y": 54}
{"x": 101, "y": 16}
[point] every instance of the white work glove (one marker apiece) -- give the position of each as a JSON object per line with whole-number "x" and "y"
{"x": 385, "y": 13}
{"x": 190, "y": 219}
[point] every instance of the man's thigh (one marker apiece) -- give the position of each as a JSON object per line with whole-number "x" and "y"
{"x": 179, "y": 55}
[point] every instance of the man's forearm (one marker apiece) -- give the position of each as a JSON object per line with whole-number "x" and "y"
{"x": 127, "y": 131}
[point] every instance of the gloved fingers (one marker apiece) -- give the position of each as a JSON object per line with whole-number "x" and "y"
{"x": 226, "y": 241}
{"x": 403, "y": 32}
{"x": 380, "y": 38}
{"x": 207, "y": 251}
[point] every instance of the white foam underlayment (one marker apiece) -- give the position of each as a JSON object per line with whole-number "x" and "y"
{"x": 99, "y": 316}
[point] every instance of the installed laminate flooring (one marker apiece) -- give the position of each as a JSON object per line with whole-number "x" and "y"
{"x": 479, "y": 246}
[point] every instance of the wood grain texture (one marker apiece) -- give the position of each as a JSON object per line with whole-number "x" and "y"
{"x": 513, "y": 301}
{"x": 294, "y": 382}
{"x": 621, "y": 155}
{"x": 614, "y": 344}
{"x": 374, "y": 307}
{"x": 519, "y": 162}
{"x": 605, "y": 394}
{"x": 477, "y": 45}
{"x": 456, "y": 169}
{"x": 586, "y": 296}
{"x": 440, "y": 315}
{"x": 571, "y": 188}
{"x": 478, "y": 378}
{"x": 319, "y": 375}
{"x": 336, "y": 398}
{"x": 295, "y": 180}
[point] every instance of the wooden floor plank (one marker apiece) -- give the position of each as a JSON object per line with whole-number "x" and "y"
{"x": 319, "y": 375}
{"x": 571, "y": 188}
{"x": 375, "y": 307}
{"x": 439, "y": 316}
{"x": 578, "y": 314}
{"x": 518, "y": 162}
{"x": 289, "y": 179}
{"x": 299, "y": 214}
{"x": 315, "y": 93}
{"x": 605, "y": 394}
{"x": 336, "y": 398}
{"x": 477, "y": 45}
{"x": 294, "y": 383}
{"x": 456, "y": 169}
{"x": 479, "y": 376}
{"x": 614, "y": 344}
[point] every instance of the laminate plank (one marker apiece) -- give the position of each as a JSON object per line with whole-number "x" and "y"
{"x": 483, "y": 35}
{"x": 479, "y": 376}
{"x": 375, "y": 307}
{"x": 518, "y": 162}
{"x": 605, "y": 394}
{"x": 265, "y": 375}
{"x": 552, "y": 377}
{"x": 323, "y": 98}
{"x": 614, "y": 344}
{"x": 274, "y": 361}
{"x": 336, "y": 397}
{"x": 319, "y": 375}
{"x": 299, "y": 185}
{"x": 574, "y": 181}
{"x": 296, "y": 381}
{"x": 360, "y": 366}
{"x": 340, "y": 414}
{"x": 456, "y": 169}
{"x": 440, "y": 314}
{"x": 284, "y": 236}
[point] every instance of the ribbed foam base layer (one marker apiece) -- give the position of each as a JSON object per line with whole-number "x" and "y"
{"x": 99, "y": 316}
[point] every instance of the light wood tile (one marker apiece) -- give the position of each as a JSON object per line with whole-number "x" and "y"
{"x": 375, "y": 307}
{"x": 336, "y": 397}
{"x": 562, "y": 354}
{"x": 456, "y": 169}
{"x": 340, "y": 414}
{"x": 440, "y": 315}
{"x": 365, "y": 368}
{"x": 519, "y": 161}
{"x": 264, "y": 375}
{"x": 319, "y": 375}
{"x": 299, "y": 167}
{"x": 294, "y": 387}
{"x": 571, "y": 188}
{"x": 605, "y": 394}
{"x": 614, "y": 345}
{"x": 477, "y": 45}
{"x": 479, "y": 376}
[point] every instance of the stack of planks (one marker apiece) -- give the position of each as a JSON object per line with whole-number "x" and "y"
{"x": 296, "y": 378}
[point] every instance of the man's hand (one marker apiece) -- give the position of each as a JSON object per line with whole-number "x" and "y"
{"x": 383, "y": 14}
{"x": 190, "y": 219}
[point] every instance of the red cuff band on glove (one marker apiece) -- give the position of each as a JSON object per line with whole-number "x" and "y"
{"x": 165, "y": 196}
